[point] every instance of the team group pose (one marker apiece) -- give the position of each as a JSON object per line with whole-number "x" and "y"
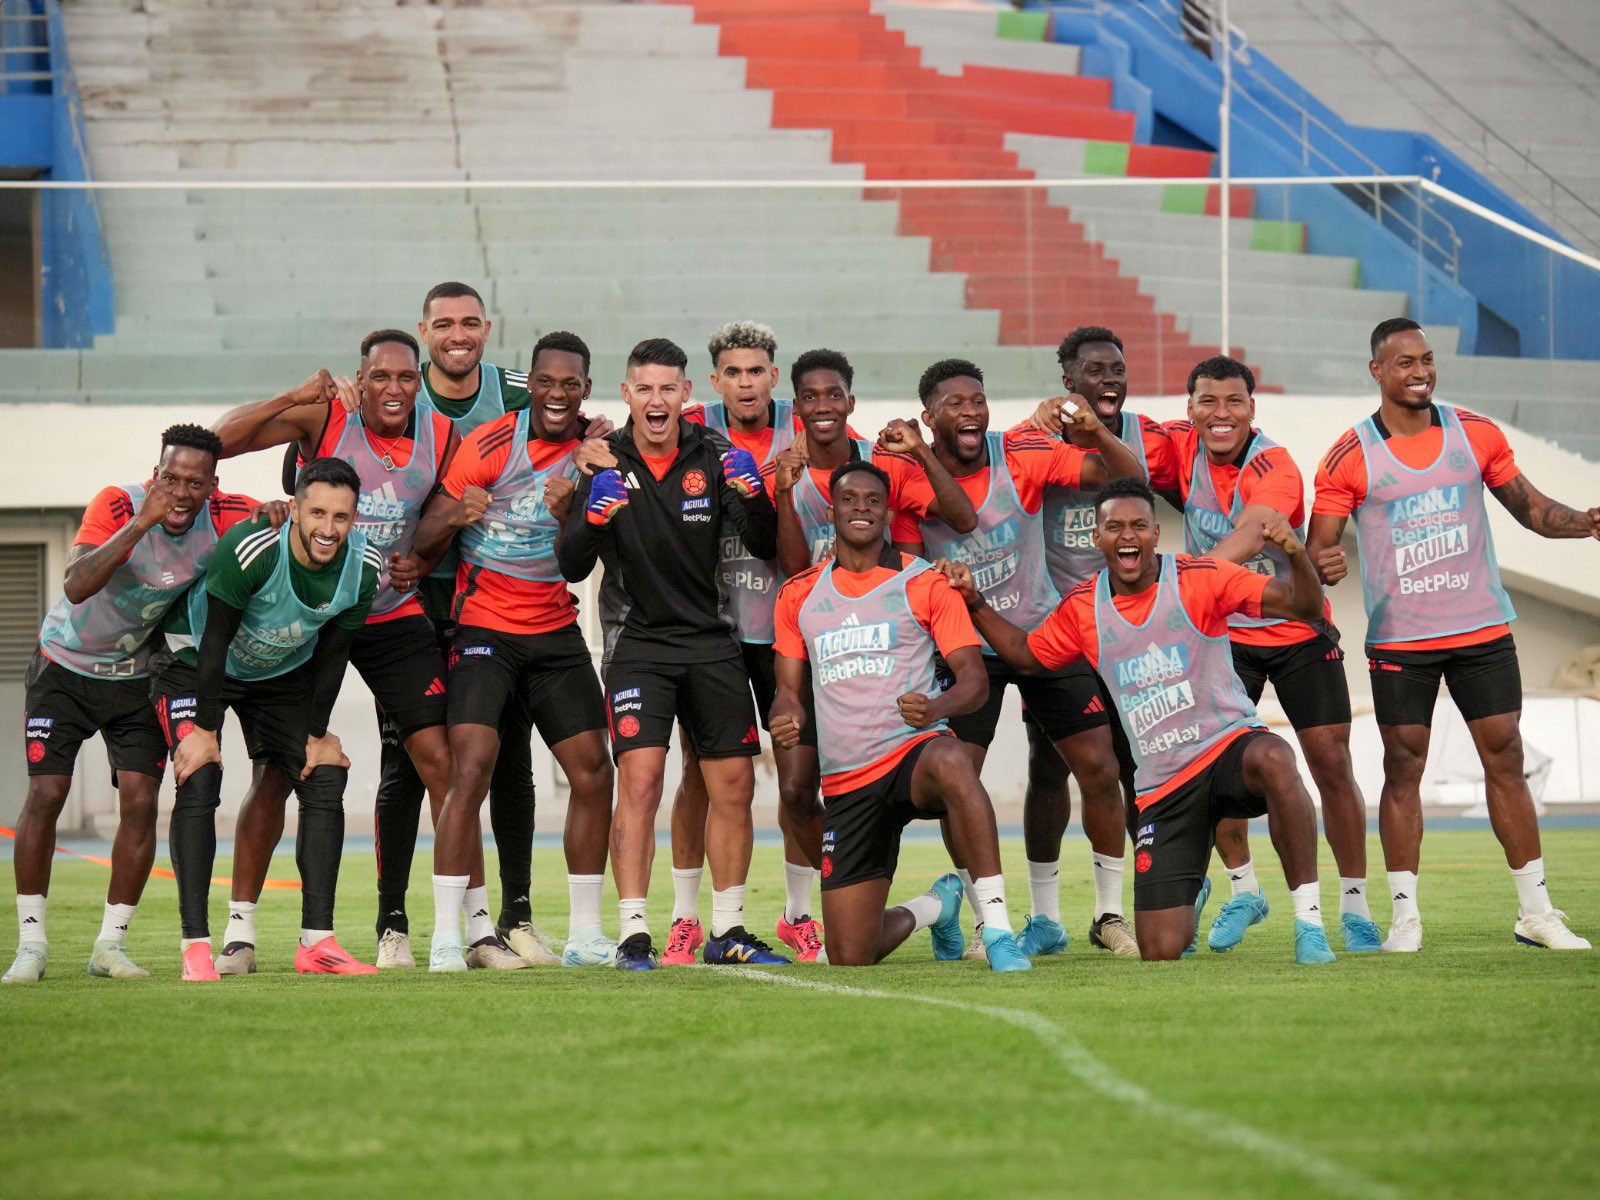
{"x": 865, "y": 599}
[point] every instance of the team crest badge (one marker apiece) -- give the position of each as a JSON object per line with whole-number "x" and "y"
{"x": 694, "y": 483}
{"x": 1459, "y": 460}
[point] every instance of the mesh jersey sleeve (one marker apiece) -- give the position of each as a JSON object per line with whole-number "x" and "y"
{"x": 1341, "y": 480}
{"x": 1272, "y": 478}
{"x": 513, "y": 389}
{"x": 229, "y": 509}
{"x": 939, "y": 609}
{"x": 356, "y": 615}
{"x": 1213, "y": 590}
{"x": 109, "y": 511}
{"x": 1037, "y": 460}
{"x": 1490, "y": 447}
{"x": 1160, "y": 456}
{"x": 1060, "y": 639}
{"x": 787, "y": 638}
{"x": 243, "y": 562}
{"x": 481, "y": 457}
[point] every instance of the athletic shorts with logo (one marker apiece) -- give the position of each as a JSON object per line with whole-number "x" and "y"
{"x": 274, "y": 714}
{"x": 63, "y": 709}
{"x": 549, "y": 675}
{"x": 710, "y": 699}
{"x": 760, "y": 663}
{"x": 399, "y": 661}
{"x": 1172, "y": 838}
{"x": 1484, "y": 681}
{"x": 1307, "y": 677}
{"x": 1061, "y": 703}
{"x": 861, "y": 829}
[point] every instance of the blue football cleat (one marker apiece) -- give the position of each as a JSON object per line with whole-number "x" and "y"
{"x": 1361, "y": 935}
{"x": 1000, "y": 946}
{"x": 1041, "y": 935}
{"x": 1199, "y": 907}
{"x": 1311, "y": 944}
{"x": 948, "y": 941}
{"x": 636, "y": 954}
{"x": 1237, "y": 915}
{"x": 739, "y": 947}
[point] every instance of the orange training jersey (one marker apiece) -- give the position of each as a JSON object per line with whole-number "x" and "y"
{"x": 112, "y": 508}
{"x": 1036, "y": 461}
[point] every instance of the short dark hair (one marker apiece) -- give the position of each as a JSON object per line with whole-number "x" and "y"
{"x": 865, "y": 466}
{"x": 821, "y": 360}
{"x": 382, "y": 337}
{"x": 451, "y": 290}
{"x": 1220, "y": 366}
{"x": 945, "y": 368}
{"x": 192, "y": 437}
{"x": 1383, "y": 329}
{"x": 1128, "y": 487}
{"x": 332, "y": 471}
{"x": 1081, "y": 336}
{"x": 658, "y": 352}
{"x": 567, "y": 343}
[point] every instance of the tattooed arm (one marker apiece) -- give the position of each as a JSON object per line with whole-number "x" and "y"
{"x": 1546, "y": 517}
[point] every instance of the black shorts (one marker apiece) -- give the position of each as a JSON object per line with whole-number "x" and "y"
{"x": 1308, "y": 678}
{"x": 1172, "y": 838}
{"x": 1484, "y": 681}
{"x": 760, "y": 663}
{"x": 710, "y": 699}
{"x": 861, "y": 829}
{"x": 1061, "y": 704}
{"x": 400, "y": 661}
{"x": 549, "y": 675}
{"x": 274, "y": 714}
{"x": 64, "y": 709}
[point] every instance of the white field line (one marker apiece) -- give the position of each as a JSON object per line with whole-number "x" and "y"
{"x": 1095, "y": 1075}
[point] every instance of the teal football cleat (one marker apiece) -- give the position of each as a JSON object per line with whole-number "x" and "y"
{"x": 1311, "y": 944}
{"x": 1000, "y": 946}
{"x": 110, "y": 961}
{"x": 948, "y": 940}
{"x": 1361, "y": 934}
{"x": 1237, "y": 915}
{"x": 1199, "y": 908}
{"x": 28, "y": 966}
{"x": 593, "y": 949}
{"x": 1041, "y": 935}
{"x": 446, "y": 953}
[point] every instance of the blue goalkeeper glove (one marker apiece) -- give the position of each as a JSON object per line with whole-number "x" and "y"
{"x": 607, "y": 497}
{"x": 740, "y": 470}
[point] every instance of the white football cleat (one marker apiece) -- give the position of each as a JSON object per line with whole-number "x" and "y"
{"x": 28, "y": 966}
{"x": 528, "y": 944}
{"x": 491, "y": 954}
{"x": 394, "y": 951}
{"x": 110, "y": 961}
{"x": 1548, "y": 930}
{"x": 1405, "y": 936}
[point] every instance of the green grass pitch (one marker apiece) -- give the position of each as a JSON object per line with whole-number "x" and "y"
{"x": 1472, "y": 1069}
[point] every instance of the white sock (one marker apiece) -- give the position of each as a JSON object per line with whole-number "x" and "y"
{"x": 30, "y": 919}
{"x": 1107, "y": 884}
{"x": 310, "y": 937}
{"x": 797, "y": 881}
{"x": 115, "y": 921}
{"x": 727, "y": 909}
{"x": 1403, "y": 890}
{"x": 1353, "y": 896}
{"x": 1531, "y": 894}
{"x": 583, "y": 905}
{"x": 185, "y": 943}
{"x": 1044, "y": 889}
{"x": 686, "y": 892}
{"x": 480, "y": 924}
{"x": 924, "y": 910}
{"x": 972, "y": 898}
{"x": 1307, "y": 901}
{"x": 991, "y": 893}
{"x": 1243, "y": 877}
{"x": 241, "y": 922}
{"x": 449, "y": 893}
{"x": 632, "y": 919}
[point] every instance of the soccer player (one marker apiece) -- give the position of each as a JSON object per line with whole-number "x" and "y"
{"x": 138, "y": 547}
{"x": 517, "y": 639}
{"x": 1230, "y": 474}
{"x": 1154, "y": 627}
{"x": 268, "y": 634}
{"x": 1006, "y": 477}
{"x": 1413, "y": 476}
{"x": 870, "y": 621}
{"x": 655, "y": 507}
{"x": 1092, "y": 366}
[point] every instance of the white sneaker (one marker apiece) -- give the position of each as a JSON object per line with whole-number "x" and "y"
{"x": 528, "y": 944}
{"x": 28, "y": 966}
{"x": 110, "y": 961}
{"x": 1548, "y": 930}
{"x": 237, "y": 958}
{"x": 394, "y": 951}
{"x": 491, "y": 954}
{"x": 1405, "y": 936}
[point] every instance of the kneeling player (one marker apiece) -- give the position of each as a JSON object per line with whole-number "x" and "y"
{"x": 870, "y": 620}
{"x": 1155, "y": 628}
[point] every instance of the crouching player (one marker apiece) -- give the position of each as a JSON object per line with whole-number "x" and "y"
{"x": 1155, "y": 629}
{"x": 870, "y": 620}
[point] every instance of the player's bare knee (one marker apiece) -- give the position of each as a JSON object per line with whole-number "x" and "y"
{"x": 47, "y": 796}
{"x": 1274, "y": 763}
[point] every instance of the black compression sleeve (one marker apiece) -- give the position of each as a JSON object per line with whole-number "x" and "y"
{"x": 328, "y": 662}
{"x": 222, "y": 622}
{"x": 758, "y": 521}
{"x": 580, "y": 542}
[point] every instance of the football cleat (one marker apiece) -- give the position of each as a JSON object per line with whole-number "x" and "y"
{"x": 1361, "y": 934}
{"x": 740, "y": 947}
{"x": 590, "y": 949}
{"x": 948, "y": 940}
{"x": 683, "y": 939}
{"x": 527, "y": 943}
{"x": 394, "y": 951}
{"x": 445, "y": 953}
{"x": 1405, "y": 936}
{"x": 1311, "y": 944}
{"x": 1041, "y": 936}
{"x": 327, "y": 957}
{"x": 110, "y": 960}
{"x": 804, "y": 937}
{"x": 1199, "y": 907}
{"x": 491, "y": 954}
{"x": 197, "y": 966}
{"x": 237, "y": 958}
{"x": 1237, "y": 915}
{"x": 1548, "y": 930}
{"x": 1110, "y": 931}
{"x": 636, "y": 954}
{"x": 1001, "y": 949}
{"x": 28, "y": 966}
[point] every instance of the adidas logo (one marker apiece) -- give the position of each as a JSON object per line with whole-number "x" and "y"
{"x": 995, "y": 900}
{"x": 1401, "y": 896}
{"x": 235, "y": 916}
{"x": 1094, "y": 706}
{"x": 436, "y": 688}
{"x": 1353, "y": 891}
{"x": 751, "y": 737}
{"x": 30, "y": 920}
{"x": 482, "y": 912}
